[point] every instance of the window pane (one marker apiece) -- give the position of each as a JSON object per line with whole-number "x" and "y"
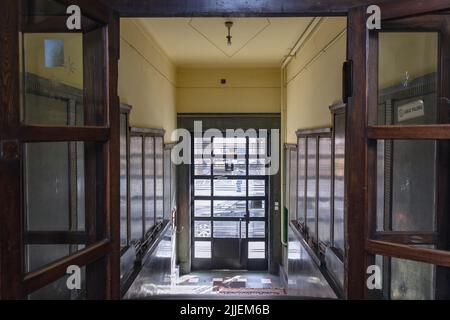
{"x": 202, "y": 249}
{"x": 202, "y": 229}
{"x": 167, "y": 184}
{"x": 301, "y": 180}
{"x": 230, "y": 188}
{"x": 256, "y": 188}
{"x": 230, "y": 209}
{"x": 257, "y": 146}
{"x": 53, "y": 78}
{"x": 202, "y": 166}
{"x": 230, "y": 167}
{"x": 202, "y": 147}
{"x": 229, "y": 229}
{"x": 257, "y": 167}
{"x": 406, "y": 73}
{"x": 54, "y": 184}
{"x": 123, "y": 181}
{"x": 293, "y": 184}
{"x": 149, "y": 182}
{"x": 202, "y": 208}
{"x": 311, "y": 186}
{"x": 256, "y": 229}
{"x": 159, "y": 165}
{"x": 256, "y": 250}
{"x": 136, "y": 187}
{"x": 230, "y": 147}
{"x": 412, "y": 280}
{"x": 324, "y": 189}
{"x": 411, "y": 176}
{"x": 202, "y": 187}
{"x": 257, "y": 209}
{"x": 339, "y": 190}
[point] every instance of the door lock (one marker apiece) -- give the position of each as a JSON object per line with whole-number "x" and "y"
{"x": 9, "y": 150}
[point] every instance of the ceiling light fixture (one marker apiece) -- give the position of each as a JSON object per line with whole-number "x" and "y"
{"x": 229, "y": 25}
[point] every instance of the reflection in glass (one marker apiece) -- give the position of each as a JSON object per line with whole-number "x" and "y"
{"x": 256, "y": 250}
{"x": 159, "y": 183}
{"x": 136, "y": 194}
{"x": 123, "y": 181}
{"x": 257, "y": 188}
{"x": 202, "y": 166}
{"x": 229, "y": 229}
{"x": 339, "y": 189}
{"x": 256, "y": 208}
{"x": 53, "y": 78}
{"x": 202, "y": 229}
{"x": 256, "y": 229}
{"x": 311, "y": 187}
{"x": 324, "y": 208}
{"x": 202, "y": 187}
{"x": 230, "y": 209}
{"x": 301, "y": 180}
{"x": 202, "y": 208}
{"x": 149, "y": 181}
{"x": 230, "y": 188}
{"x": 202, "y": 249}
{"x": 230, "y": 167}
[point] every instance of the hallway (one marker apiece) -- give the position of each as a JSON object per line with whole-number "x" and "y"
{"x": 224, "y": 149}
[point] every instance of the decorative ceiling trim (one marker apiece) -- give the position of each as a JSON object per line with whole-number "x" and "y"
{"x": 268, "y": 24}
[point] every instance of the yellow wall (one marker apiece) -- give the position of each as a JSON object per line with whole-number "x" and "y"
{"x": 246, "y": 91}
{"x": 146, "y": 79}
{"x": 313, "y": 78}
{"x": 413, "y": 52}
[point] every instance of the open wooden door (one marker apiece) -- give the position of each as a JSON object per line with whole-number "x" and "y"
{"x": 59, "y": 145}
{"x": 398, "y": 164}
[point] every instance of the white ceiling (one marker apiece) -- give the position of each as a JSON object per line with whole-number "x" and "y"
{"x": 202, "y": 41}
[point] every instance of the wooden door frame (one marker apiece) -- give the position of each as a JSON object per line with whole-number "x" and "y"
{"x": 14, "y": 283}
{"x": 362, "y": 136}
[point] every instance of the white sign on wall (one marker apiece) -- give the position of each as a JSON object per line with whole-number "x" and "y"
{"x": 411, "y": 110}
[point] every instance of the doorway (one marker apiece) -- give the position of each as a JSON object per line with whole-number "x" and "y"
{"x": 230, "y": 196}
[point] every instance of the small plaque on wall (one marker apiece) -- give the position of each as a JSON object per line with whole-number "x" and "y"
{"x": 411, "y": 110}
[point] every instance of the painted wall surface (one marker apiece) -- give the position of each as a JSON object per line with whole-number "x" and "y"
{"x": 313, "y": 78}
{"x": 415, "y": 53}
{"x": 246, "y": 90}
{"x": 146, "y": 79}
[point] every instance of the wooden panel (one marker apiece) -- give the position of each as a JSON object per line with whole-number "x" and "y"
{"x": 113, "y": 161}
{"x": 412, "y": 132}
{"x": 422, "y": 238}
{"x": 356, "y": 160}
{"x": 11, "y": 248}
{"x": 36, "y": 133}
{"x": 53, "y": 272}
{"x": 404, "y": 8}
{"x": 401, "y": 251}
{"x": 167, "y": 8}
{"x": 55, "y": 237}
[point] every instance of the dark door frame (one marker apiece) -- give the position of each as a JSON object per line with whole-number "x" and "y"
{"x": 102, "y": 252}
{"x": 254, "y": 265}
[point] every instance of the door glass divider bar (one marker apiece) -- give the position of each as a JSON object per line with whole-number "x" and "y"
{"x": 34, "y": 133}
{"x": 411, "y": 132}
{"x": 407, "y": 252}
{"x": 52, "y": 272}
{"x": 222, "y": 177}
{"x": 407, "y": 237}
{"x": 224, "y": 198}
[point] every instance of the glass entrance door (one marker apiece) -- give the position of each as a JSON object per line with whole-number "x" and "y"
{"x": 230, "y": 194}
